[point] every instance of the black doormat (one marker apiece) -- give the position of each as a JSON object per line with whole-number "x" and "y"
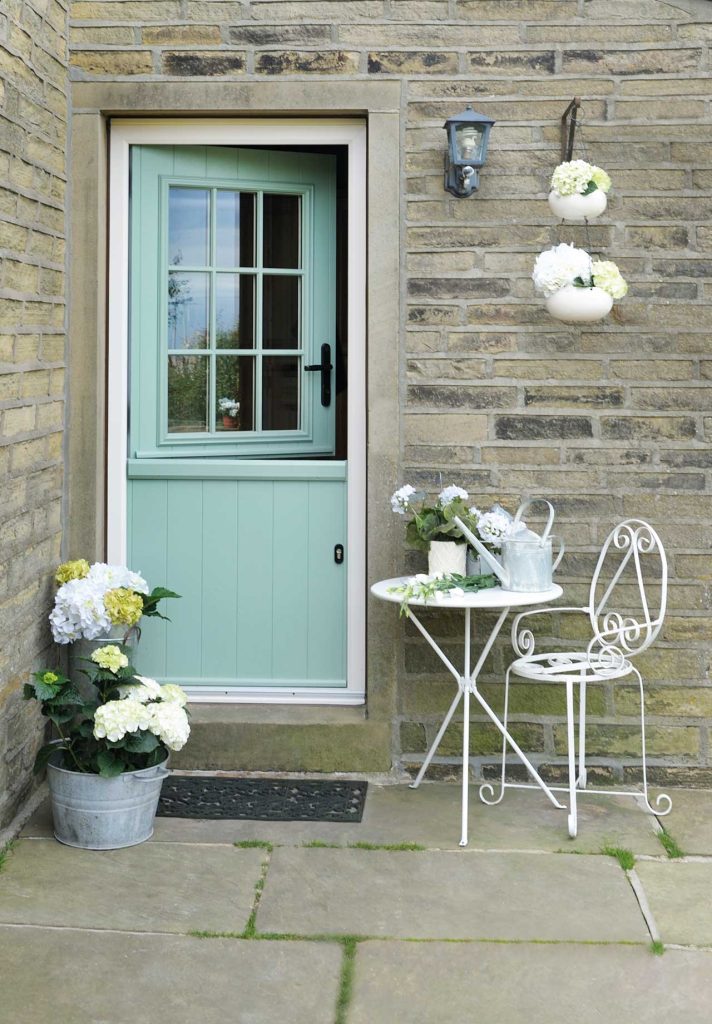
{"x": 185, "y": 796}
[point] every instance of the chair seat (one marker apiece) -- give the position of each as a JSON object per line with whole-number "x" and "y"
{"x": 573, "y": 666}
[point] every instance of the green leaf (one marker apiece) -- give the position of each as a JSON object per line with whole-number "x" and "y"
{"x": 109, "y": 765}
{"x": 70, "y": 695}
{"x": 141, "y": 742}
{"x": 150, "y": 601}
{"x": 44, "y": 754}
{"x": 591, "y": 187}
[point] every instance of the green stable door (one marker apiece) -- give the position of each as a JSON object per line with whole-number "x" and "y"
{"x": 235, "y": 499}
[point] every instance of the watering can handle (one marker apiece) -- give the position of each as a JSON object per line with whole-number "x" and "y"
{"x": 554, "y": 537}
{"x": 527, "y": 503}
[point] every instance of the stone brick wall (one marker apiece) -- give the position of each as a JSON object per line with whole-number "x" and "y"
{"x": 33, "y": 136}
{"x": 610, "y": 420}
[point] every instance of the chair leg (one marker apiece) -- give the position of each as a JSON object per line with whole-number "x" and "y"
{"x": 662, "y": 800}
{"x": 487, "y": 787}
{"x": 571, "y": 742}
{"x": 582, "y": 733}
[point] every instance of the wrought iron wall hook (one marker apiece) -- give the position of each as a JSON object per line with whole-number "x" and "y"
{"x": 568, "y": 129}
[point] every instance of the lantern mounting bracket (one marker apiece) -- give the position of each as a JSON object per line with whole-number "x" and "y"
{"x": 568, "y": 129}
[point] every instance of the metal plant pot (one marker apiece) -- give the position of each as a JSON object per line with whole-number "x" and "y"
{"x": 578, "y": 208}
{"x": 95, "y": 813}
{"x": 579, "y": 305}
{"x": 81, "y": 651}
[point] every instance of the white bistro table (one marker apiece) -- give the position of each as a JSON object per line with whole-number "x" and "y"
{"x": 484, "y": 600}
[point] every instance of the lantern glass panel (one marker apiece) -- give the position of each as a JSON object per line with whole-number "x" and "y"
{"x": 469, "y": 141}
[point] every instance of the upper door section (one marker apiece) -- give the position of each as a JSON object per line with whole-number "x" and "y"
{"x": 233, "y": 300}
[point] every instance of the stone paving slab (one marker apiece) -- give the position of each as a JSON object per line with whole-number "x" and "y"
{"x": 439, "y": 983}
{"x": 690, "y": 820}
{"x": 157, "y": 887}
{"x": 74, "y": 977}
{"x": 449, "y": 895}
{"x": 679, "y": 897}
{"x": 430, "y": 816}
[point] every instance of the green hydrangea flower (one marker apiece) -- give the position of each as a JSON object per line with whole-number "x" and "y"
{"x": 607, "y": 276}
{"x": 49, "y": 677}
{"x": 600, "y": 178}
{"x": 123, "y": 606}
{"x": 110, "y": 657}
{"x": 71, "y": 571}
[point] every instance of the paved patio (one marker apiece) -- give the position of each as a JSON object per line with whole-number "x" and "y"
{"x": 258, "y": 922}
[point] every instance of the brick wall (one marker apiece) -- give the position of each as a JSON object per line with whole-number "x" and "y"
{"x": 609, "y": 420}
{"x": 33, "y": 136}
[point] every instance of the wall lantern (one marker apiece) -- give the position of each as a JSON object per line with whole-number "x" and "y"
{"x": 467, "y": 137}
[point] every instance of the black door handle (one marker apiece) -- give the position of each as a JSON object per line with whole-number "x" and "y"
{"x": 325, "y": 368}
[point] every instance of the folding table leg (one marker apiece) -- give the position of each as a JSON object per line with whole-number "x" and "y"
{"x": 571, "y": 734}
{"x": 436, "y": 743}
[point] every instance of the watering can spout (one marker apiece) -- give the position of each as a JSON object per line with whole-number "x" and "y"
{"x": 494, "y": 563}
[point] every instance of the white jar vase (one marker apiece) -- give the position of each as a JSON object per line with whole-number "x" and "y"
{"x": 576, "y": 207}
{"x": 579, "y": 305}
{"x": 447, "y": 558}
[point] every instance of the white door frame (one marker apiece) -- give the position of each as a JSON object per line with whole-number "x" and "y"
{"x": 246, "y": 132}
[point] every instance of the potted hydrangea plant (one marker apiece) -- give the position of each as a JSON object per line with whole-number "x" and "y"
{"x": 230, "y": 409}
{"x": 578, "y": 191}
{"x": 432, "y": 529}
{"x": 98, "y": 603}
{"x": 108, "y": 762}
{"x": 577, "y": 288}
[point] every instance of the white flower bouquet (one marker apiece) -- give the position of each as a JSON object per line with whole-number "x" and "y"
{"x": 93, "y": 599}
{"x": 578, "y": 190}
{"x": 576, "y": 287}
{"x": 130, "y": 722}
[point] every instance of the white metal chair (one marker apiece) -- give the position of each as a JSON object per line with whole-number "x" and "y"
{"x": 631, "y": 573}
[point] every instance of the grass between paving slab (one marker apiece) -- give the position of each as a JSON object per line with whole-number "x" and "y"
{"x": 671, "y": 847}
{"x": 5, "y": 853}
{"x": 625, "y": 858}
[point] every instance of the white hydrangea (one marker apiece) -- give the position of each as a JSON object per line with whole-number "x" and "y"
{"x": 116, "y": 718}
{"x": 169, "y": 722}
{"x": 112, "y": 576}
{"x": 143, "y": 690}
{"x": 400, "y": 499}
{"x": 448, "y": 495}
{"x": 475, "y": 511}
{"x": 79, "y": 612}
{"x": 493, "y": 527}
{"x": 572, "y": 177}
{"x": 559, "y": 266}
{"x": 174, "y": 694}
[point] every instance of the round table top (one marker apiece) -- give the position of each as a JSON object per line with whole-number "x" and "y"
{"x": 494, "y": 597}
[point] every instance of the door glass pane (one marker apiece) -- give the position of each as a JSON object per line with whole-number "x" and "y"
{"x": 188, "y": 210}
{"x": 280, "y": 393}
{"x": 234, "y": 311}
{"x": 280, "y": 311}
{"x": 235, "y": 229}
{"x": 280, "y": 220}
{"x": 188, "y": 303}
{"x": 187, "y": 394}
{"x": 235, "y": 393}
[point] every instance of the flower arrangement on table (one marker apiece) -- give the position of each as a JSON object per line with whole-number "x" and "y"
{"x": 432, "y": 524}
{"x": 578, "y": 190}
{"x": 130, "y": 722}
{"x": 576, "y": 287}
{"x": 94, "y": 599}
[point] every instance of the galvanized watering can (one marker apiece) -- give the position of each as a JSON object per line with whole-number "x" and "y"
{"x": 526, "y": 563}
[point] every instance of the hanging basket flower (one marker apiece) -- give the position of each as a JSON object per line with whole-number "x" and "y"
{"x": 577, "y": 289}
{"x": 578, "y": 191}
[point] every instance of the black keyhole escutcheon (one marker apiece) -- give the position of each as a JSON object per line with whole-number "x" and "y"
{"x": 339, "y": 554}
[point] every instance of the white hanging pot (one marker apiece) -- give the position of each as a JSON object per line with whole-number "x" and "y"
{"x": 447, "y": 557}
{"x": 578, "y": 207}
{"x": 579, "y": 305}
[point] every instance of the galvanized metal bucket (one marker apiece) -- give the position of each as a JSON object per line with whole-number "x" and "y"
{"x": 94, "y": 813}
{"x": 80, "y": 653}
